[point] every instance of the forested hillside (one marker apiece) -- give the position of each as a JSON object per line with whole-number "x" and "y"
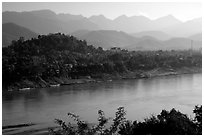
{"x": 34, "y": 63}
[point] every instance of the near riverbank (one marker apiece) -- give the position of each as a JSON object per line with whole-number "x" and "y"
{"x": 173, "y": 122}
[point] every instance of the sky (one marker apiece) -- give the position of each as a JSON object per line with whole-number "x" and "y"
{"x": 153, "y": 10}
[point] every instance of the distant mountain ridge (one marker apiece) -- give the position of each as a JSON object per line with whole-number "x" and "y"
{"x": 110, "y": 38}
{"x": 106, "y": 38}
{"x": 185, "y": 29}
{"x": 47, "y": 21}
{"x": 11, "y": 31}
{"x": 134, "y": 33}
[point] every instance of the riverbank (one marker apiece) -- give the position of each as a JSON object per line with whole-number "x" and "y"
{"x": 60, "y": 81}
{"x": 26, "y": 129}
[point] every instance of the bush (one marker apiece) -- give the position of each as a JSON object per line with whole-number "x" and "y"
{"x": 198, "y": 118}
{"x": 82, "y": 127}
{"x": 170, "y": 122}
{"x": 166, "y": 123}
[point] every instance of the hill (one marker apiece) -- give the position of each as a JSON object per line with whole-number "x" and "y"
{"x": 146, "y": 44}
{"x": 110, "y": 38}
{"x": 106, "y": 38}
{"x": 58, "y": 58}
{"x": 185, "y": 29}
{"x": 181, "y": 44}
{"x": 46, "y": 21}
{"x": 166, "y": 21}
{"x": 11, "y": 31}
{"x": 156, "y": 34}
{"x": 197, "y": 37}
{"x": 171, "y": 44}
{"x": 102, "y": 22}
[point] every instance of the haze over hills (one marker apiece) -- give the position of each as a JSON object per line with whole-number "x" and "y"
{"x": 106, "y": 38}
{"x": 167, "y": 21}
{"x": 46, "y": 21}
{"x": 146, "y": 44}
{"x": 102, "y": 22}
{"x": 11, "y": 31}
{"x": 140, "y": 23}
{"x": 182, "y": 43}
{"x": 185, "y": 29}
{"x": 110, "y": 38}
{"x": 197, "y": 37}
{"x": 171, "y": 44}
{"x": 156, "y": 34}
{"x": 134, "y": 23}
{"x": 136, "y": 32}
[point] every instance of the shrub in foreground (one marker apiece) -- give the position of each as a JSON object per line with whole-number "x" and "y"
{"x": 170, "y": 122}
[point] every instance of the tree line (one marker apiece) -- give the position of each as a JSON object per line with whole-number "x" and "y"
{"x": 60, "y": 55}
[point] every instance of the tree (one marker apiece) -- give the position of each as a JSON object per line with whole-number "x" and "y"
{"x": 198, "y": 118}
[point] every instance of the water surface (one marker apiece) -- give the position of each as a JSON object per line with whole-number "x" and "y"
{"x": 141, "y": 98}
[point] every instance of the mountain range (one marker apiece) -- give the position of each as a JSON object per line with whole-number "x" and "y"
{"x": 136, "y": 32}
{"x": 106, "y": 38}
{"x": 11, "y": 31}
{"x": 110, "y": 38}
{"x": 47, "y": 21}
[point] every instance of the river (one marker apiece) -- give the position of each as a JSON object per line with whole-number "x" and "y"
{"x": 140, "y": 97}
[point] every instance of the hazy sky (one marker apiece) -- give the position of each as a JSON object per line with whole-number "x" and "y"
{"x": 182, "y": 11}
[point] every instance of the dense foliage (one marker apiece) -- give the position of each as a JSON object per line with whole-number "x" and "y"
{"x": 170, "y": 122}
{"x": 59, "y": 55}
{"x": 167, "y": 122}
{"x": 82, "y": 128}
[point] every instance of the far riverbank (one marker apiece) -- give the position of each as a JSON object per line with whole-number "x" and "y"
{"x": 60, "y": 81}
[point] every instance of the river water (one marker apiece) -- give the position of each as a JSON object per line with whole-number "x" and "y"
{"x": 140, "y": 97}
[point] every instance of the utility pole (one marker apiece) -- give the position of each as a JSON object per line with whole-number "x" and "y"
{"x": 192, "y": 45}
{"x": 191, "y": 50}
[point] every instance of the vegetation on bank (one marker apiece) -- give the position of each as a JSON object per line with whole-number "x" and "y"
{"x": 56, "y": 58}
{"x": 170, "y": 122}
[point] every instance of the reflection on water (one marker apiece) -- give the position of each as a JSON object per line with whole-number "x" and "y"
{"x": 139, "y": 97}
